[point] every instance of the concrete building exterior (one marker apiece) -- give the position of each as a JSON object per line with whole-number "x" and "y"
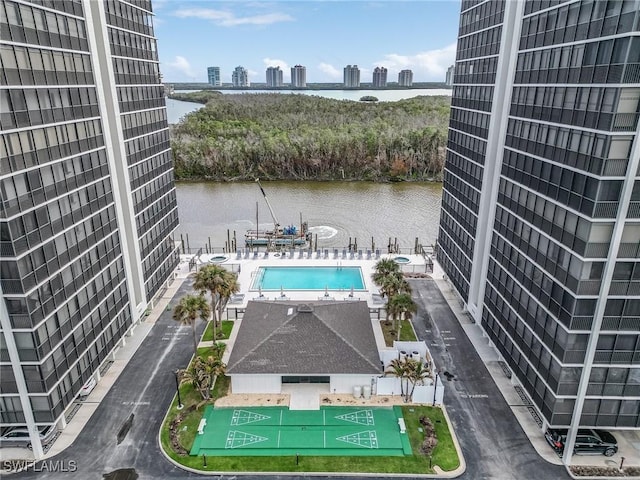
{"x": 240, "y": 77}
{"x": 213, "y": 76}
{"x": 274, "y": 77}
{"x": 449, "y": 76}
{"x": 299, "y": 76}
{"x": 405, "y": 78}
{"x": 88, "y": 202}
{"x": 540, "y": 223}
{"x": 351, "y": 76}
{"x": 379, "y": 77}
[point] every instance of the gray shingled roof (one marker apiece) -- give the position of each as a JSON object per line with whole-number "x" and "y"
{"x": 305, "y": 338}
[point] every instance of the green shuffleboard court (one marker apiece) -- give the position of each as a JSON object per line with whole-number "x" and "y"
{"x": 272, "y": 431}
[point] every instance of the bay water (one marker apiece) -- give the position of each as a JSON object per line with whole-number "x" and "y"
{"x": 337, "y": 212}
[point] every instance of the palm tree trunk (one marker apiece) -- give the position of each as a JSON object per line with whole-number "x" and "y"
{"x": 195, "y": 339}
{"x": 213, "y": 320}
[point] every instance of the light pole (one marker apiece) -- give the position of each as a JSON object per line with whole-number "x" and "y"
{"x": 435, "y": 389}
{"x": 180, "y": 405}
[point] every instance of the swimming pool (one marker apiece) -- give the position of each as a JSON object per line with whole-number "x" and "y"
{"x": 308, "y": 278}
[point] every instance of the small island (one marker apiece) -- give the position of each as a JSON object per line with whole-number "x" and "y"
{"x": 368, "y": 98}
{"x": 239, "y": 137}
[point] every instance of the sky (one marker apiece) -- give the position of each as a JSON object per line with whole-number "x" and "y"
{"x": 322, "y": 35}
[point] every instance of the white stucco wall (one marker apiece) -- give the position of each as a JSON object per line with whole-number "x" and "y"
{"x": 345, "y": 383}
{"x": 256, "y": 384}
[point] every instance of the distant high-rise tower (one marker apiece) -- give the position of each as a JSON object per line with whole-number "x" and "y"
{"x": 379, "y": 77}
{"x": 299, "y": 76}
{"x": 351, "y": 76}
{"x": 274, "y": 77}
{"x": 88, "y": 203}
{"x": 405, "y": 78}
{"x": 540, "y": 221}
{"x": 213, "y": 74}
{"x": 449, "y": 77}
{"x": 240, "y": 77}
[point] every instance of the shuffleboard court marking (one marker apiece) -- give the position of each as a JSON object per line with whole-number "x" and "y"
{"x": 324, "y": 439}
{"x": 243, "y": 417}
{"x": 324, "y": 417}
{"x": 278, "y": 438}
{"x": 367, "y": 439}
{"x": 237, "y": 439}
{"x": 281, "y": 411}
{"x": 361, "y": 417}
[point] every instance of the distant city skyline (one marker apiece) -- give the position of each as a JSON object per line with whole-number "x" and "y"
{"x": 193, "y": 35}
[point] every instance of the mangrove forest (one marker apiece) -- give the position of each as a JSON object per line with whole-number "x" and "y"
{"x": 304, "y": 137}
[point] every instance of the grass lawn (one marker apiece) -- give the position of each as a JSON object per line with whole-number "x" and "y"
{"x": 406, "y": 332}
{"x": 444, "y": 455}
{"x": 226, "y": 327}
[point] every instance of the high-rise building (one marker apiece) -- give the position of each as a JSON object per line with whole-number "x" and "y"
{"x": 449, "y": 76}
{"x": 379, "y": 77}
{"x": 213, "y": 75}
{"x": 299, "y": 76}
{"x": 274, "y": 77}
{"x": 240, "y": 77}
{"x": 351, "y": 76}
{"x": 540, "y": 217}
{"x": 405, "y": 78}
{"x": 88, "y": 202}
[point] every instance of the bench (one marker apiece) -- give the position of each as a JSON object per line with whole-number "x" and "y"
{"x": 403, "y": 427}
{"x": 201, "y": 425}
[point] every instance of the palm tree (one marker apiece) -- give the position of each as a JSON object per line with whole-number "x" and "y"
{"x": 196, "y": 374}
{"x": 213, "y": 367}
{"x": 401, "y": 305}
{"x": 220, "y": 284}
{"x": 417, "y": 375}
{"x": 188, "y": 310}
{"x": 217, "y": 349}
{"x": 383, "y": 269}
{"x": 398, "y": 368}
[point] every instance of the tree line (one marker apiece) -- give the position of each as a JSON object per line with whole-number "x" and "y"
{"x": 304, "y": 137}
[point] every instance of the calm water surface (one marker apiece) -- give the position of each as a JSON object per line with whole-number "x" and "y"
{"x": 335, "y": 211}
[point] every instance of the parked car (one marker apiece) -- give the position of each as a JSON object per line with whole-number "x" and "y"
{"x": 588, "y": 441}
{"x": 87, "y": 388}
{"x": 19, "y": 437}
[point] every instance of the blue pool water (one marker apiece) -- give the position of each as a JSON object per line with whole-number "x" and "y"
{"x": 309, "y": 278}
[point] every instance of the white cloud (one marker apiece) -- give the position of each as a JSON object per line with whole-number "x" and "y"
{"x": 157, "y": 22}
{"x": 330, "y": 71}
{"x": 224, "y": 18}
{"x": 427, "y": 66}
{"x": 181, "y": 65}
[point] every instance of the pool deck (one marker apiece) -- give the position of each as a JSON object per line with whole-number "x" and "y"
{"x": 247, "y": 268}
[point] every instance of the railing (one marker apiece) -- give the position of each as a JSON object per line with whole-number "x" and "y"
{"x": 634, "y": 210}
{"x": 623, "y": 122}
{"x": 589, "y": 287}
{"x": 629, "y": 250}
{"x": 632, "y": 73}
{"x": 615, "y": 167}
{"x": 605, "y": 210}
{"x": 596, "y": 250}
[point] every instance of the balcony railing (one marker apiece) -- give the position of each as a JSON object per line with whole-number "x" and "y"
{"x": 632, "y": 73}
{"x": 624, "y": 122}
{"x": 629, "y": 250}
{"x": 605, "y": 210}
{"x": 615, "y": 167}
